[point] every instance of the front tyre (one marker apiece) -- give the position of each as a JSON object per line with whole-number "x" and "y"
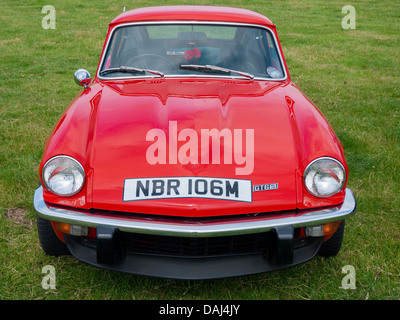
{"x": 49, "y": 241}
{"x": 332, "y": 246}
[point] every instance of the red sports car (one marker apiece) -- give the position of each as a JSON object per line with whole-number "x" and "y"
{"x": 191, "y": 154}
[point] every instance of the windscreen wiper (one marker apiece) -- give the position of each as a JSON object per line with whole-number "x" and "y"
{"x": 211, "y": 68}
{"x": 133, "y": 70}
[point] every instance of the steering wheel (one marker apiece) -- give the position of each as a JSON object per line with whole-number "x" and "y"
{"x": 150, "y": 61}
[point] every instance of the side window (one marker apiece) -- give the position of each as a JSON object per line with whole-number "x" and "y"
{"x": 275, "y": 61}
{"x": 271, "y": 47}
{"x": 109, "y": 55}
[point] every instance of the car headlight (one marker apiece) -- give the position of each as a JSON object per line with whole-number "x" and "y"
{"x": 324, "y": 177}
{"x": 64, "y": 176}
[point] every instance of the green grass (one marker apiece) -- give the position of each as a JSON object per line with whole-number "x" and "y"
{"x": 351, "y": 75}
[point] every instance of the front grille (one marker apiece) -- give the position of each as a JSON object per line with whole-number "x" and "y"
{"x": 194, "y": 247}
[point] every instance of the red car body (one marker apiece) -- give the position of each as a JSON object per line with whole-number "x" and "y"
{"x": 105, "y": 130}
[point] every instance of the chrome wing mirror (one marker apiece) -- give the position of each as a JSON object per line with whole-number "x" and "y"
{"x": 82, "y": 77}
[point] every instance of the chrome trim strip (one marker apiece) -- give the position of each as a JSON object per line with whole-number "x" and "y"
{"x": 241, "y": 225}
{"x": 190, "y": 76}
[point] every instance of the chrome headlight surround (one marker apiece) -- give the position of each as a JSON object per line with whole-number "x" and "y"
{"x": 64, "y": 176}
{"x": 324, "y": 177}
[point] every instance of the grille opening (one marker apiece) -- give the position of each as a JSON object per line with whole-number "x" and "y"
{"x": 201, "y": 247}
{"x": 196, "y": 247}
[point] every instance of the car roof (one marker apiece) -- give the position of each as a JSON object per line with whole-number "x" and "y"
{"x": 192, "y": 13}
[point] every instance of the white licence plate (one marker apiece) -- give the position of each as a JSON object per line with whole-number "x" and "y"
{"x": 187, "y": 187}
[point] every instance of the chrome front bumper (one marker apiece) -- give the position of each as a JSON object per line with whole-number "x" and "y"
{"x": 219, "y": 226}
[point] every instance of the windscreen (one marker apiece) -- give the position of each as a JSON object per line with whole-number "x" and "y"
{"x": 173, "y": 49}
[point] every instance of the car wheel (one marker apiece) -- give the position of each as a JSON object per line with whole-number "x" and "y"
{"x": 49, "y": 241}
{"x": 332, "y": 246}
